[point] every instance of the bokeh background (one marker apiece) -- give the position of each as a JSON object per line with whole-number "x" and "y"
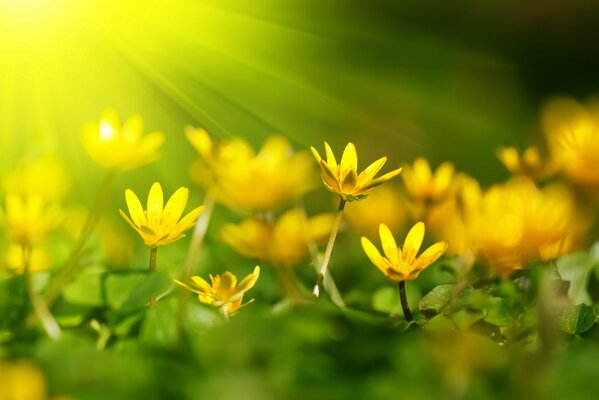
{"x": 445, "y": 80}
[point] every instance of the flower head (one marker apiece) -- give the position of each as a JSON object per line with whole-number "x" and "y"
{"x": 29, "y": 219}
{"x": 224, "y": 290}
{"x": 123, "y": 147}
{"x": 284, "y": 242}
{"x": 38, "y": 259}
{"x": 343, "y": 178}
{"x": 401, "y": 264}
{"x": 46, "y": 177}
{"x": 528, "y": 164}
{"x": 158, "y": 224}
{"x": 243, "y": 179}
{"x": 422, "y": 184}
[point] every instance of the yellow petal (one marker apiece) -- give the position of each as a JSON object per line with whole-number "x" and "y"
{"x": 430, "y": 255}
{"x": 111, "y": 117}
{"x": 155, "y": 204}
{"x": 200, "y": 140}
{"x": 371, "y": 171}
{"x": 249, "y": 281}
{"x": 388, "y": 243}
{"x": 331, "y": 161}
{"x": 132, "y": 129}
{"x": 201, "y": 284}
{"x": 422, "y": 171}
{"x": 228, "y": 281}
{"x": 136, "y": 210}
{"x": 443, "y": 176}
{"x": 190, "y": 219}
{"x": 413, "y": 242}
{"x": 176, "y": 205}
{"x": 374, "y": 255}
{"x": 380, "y": 180}
{"x": 126, "y": 218}
{"x": 349, "y": 161}
{"x": 316, "y": 155}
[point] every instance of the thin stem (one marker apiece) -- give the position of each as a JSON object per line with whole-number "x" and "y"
{"x": 153, "y": 252}
{"x": 88, "y": 227}
{"x": 197, "y": 239}
{"x": 224, "y": 312}
{"x": 327, "y": 254}
{"x": 39, "y": 307}
{"x": 404, "y": 301}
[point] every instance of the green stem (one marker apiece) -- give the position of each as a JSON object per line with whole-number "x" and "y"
{"x": 39, "y": 307}
{"x": 88, "y": 227}
{"x": 153, "y": 253}
{"x": 327, "y": 254}
{"x": 224, "y": 312}
{"x": 404, "y": 301}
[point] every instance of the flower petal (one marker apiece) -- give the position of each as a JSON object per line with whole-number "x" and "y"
{"x": 388, "y": 243}
{"x": 430, "y": 255}
{"x": 374, "y": 255}
{"x": 249, "y": 281}
{"x": 380, "y": 180}
{"x": 201, "y": 284}
{"x": 136, "y": 210}
{"x": 155, "y": 205}
{"x": 349, "y": 161}
{"x": 371, "y": 171}
{"x": 175, "y": 206}
{"x": 413, "y": 242}
{"x": 331, "y": 161}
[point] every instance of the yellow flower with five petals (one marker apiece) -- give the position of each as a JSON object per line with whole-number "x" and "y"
{"x": 113, "y": 145}
{"x": 223, "y": 291}
{"x": 343, "y": 178}
{"x": 160, "y": 224}
{"x": 401, "y": 264}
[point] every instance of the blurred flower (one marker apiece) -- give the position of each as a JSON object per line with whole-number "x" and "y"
{"x": 519, "y": 223}
{"x": 123, "y": 147}
{"x": 160, "y": 225}
{"x": 425, "y": 186}
{"x": 284, "y": 242}
{"x": 240, "y": 178}
{"x": 45, "y": 177}
{"x": 401, "y": 264}
{"x": 573, "y": 137}
{"x": 224, "y": 291}
{"x": 38, "y": 259}
{"x": 21, "y": 380}
{"x": 385, "y": 205}
{"x": 30, "y": 219}
{"x": 343, "y": 178}
{"x": 528, "y": 164}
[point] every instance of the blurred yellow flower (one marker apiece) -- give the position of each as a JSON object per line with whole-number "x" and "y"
{"x": 425, "y": 186}
{"x": 573, "y": 138}
{"x": 519, "y": 223}
{"x": 21, "y": 380}
{"x": 343, "y": 178}
{"x": 240, "y": 178}
{"x": 528, "y": 164}
{"x": 224, "y": 291}
{"x": 46, "y": 177}
{"x": 38, "y": 259}
{"x": 282, "y": 242}
{"x": 401, "y": 264}
{"x": 30, "y": 219}
{"x": 159, "y": 225}
{"x": 122, "y": 147}
{"x": 386, "y": 204}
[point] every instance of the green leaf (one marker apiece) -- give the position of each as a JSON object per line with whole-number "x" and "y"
{"x": 435, "y": 300}
{"x": 86, "y": 289}
{"x": 576, "y": 269}
{"x": 160, "y": 325}
{"x": 155, "y": 283}
{"x": 577, "y": 319}
{"x": 119, "y": 285}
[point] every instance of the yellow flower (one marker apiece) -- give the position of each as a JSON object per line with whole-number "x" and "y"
{"x": 343, "y": 178}
{"x": 160, "y": 225}
{"x": 284, "y": 242}
{"x": 224, "y": 290}
{"x": 123, "y": 147}
{"x": 30, "y": 219}
{"x": 385, "y": 204}
{"x": 22, "y": 380}
{"x": 425, "y": 186}
{"x": 401, "y": 264}
{"x": 38, "y": 259}
{"x": 573, "y": 138}
{"x": 45, "y": 177}
{"x": 528, "y": 164}
{"x": 240, "y": 178}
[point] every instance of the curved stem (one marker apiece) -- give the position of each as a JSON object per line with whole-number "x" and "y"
{"x": 404, "y": 301}
{"x": 327, "y": 254}
{"x": 153, "y": 253}
{"x": 88, "y": 227}
{"x": 39, "y": 307}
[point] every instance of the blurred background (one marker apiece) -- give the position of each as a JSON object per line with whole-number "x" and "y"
{"x": 444, "y": 80}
